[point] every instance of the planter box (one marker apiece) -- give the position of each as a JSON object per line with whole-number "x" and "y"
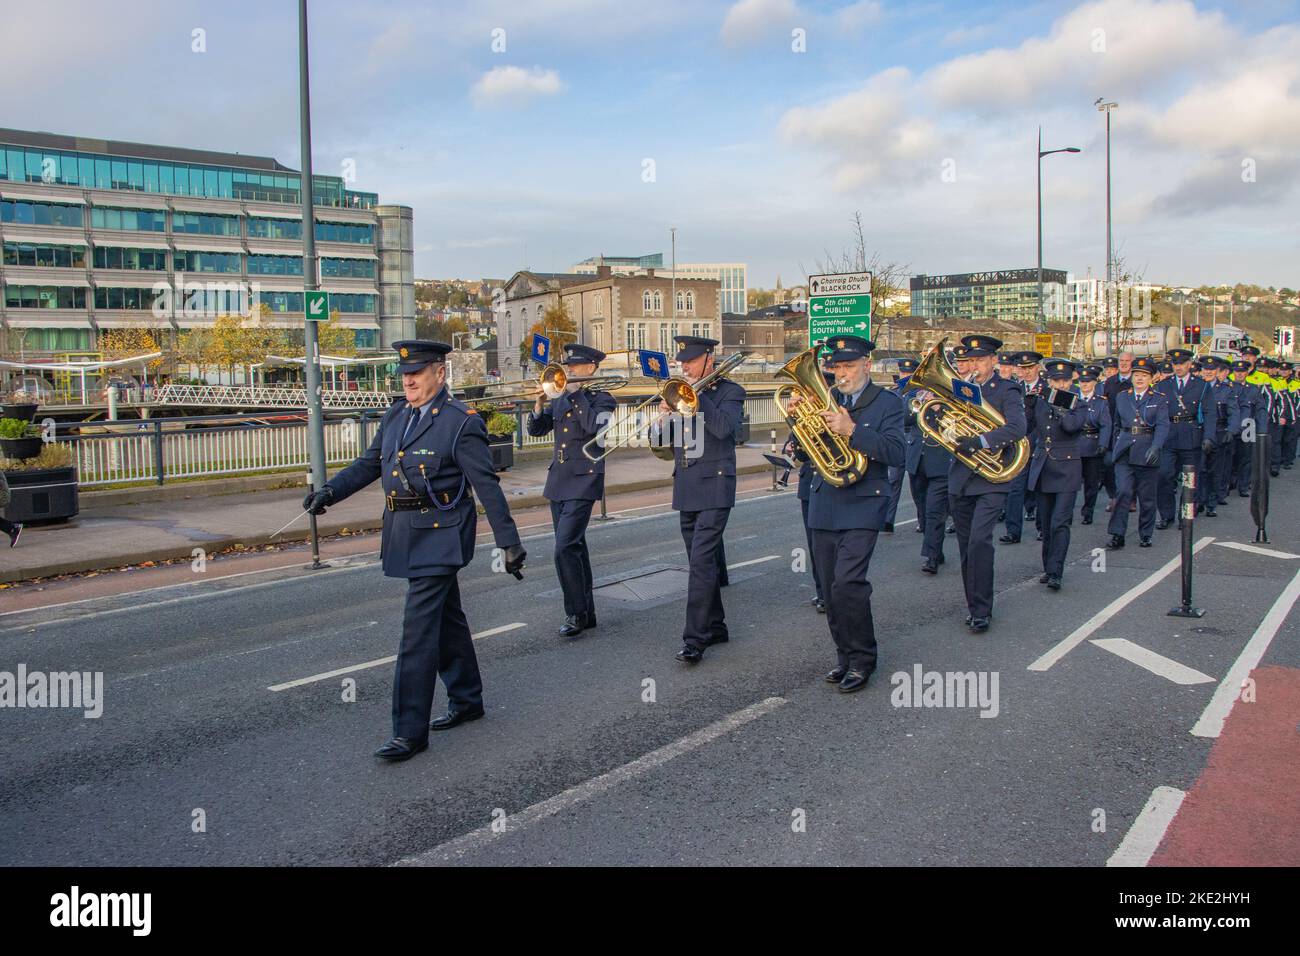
{"x": 503, "y": 451}
{"x": 43, "y": 494}
{"x": 22, "y": 412}
{"x": 20, "y": 448}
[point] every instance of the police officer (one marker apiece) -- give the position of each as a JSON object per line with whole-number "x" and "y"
{"x": 1282, "y": 413}
{"x": 927, "y": 469}
{"x": 1141, "y": 429}
{"x": 1188, "y": 397}
{"x": 1056, "y": 471}
{"x": 1094, "y": 440}
{"x": 806, "y": 474}
{"x": 431, "y": 453}
{"x": 574, "y": 483}
{"x": 846, "y": 520}
{"x": 1254, "y": 403}
{"x": 974, "y": 500}
{"x": 1291, "y": 387}
{"x": 1222, "y": 421}
{"x": 704, "y": 492}
{"x": 906, "y": 367}
{"x": 1021, "y": 501}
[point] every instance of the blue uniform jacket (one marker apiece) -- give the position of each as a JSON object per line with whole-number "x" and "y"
{"x": 1152, "y": 411}
{"x": 878, "y": 415}
{"x": 1191, "y": 406}
{"x": 924, "y": 457}
{"x": 708, "y": 480}
{"x": 575, "y": 418}
{"x": 1057, "y": 465}
{"x": 1033, "y": 395}
{"x": 1095, "y": 439}
{"x": 1225, "y": 420}
{"x": 1253, "y": 403}
{"x": 445, "y": 457}
{"x": 1004, "y": 396}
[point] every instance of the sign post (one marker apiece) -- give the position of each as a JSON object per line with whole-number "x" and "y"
{"x": 839, "y": 304}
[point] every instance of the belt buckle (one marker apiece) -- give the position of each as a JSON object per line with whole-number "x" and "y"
{"x": 388, "y": 503}
{"x": 560, "y": 456}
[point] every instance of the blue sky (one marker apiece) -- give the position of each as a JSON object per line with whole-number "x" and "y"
{"x": 920, "y": 115}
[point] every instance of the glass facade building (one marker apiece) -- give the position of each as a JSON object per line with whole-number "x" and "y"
{"x": 1002, "y": 294}
{"x": 732, "y": 277}
{"x": 81, "y": 220}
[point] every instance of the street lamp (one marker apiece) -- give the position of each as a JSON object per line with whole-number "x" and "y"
{"x": 1105, "y": 106}
{"x": 1042, "y": 317}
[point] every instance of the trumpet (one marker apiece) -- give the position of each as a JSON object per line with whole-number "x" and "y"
{"x": 681, "y": 396}
{"x": 552, "y": 383}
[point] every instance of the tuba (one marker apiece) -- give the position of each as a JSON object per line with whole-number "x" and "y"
{"x": 830, "y": 454}
{"x": 946, "y": 418}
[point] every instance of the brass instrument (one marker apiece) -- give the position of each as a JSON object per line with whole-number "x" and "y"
{"x": 830, "y": 454}
{"x": 946, "y": 418}
{"x": 552, "y": 382}
{"x": 680, "y": 395}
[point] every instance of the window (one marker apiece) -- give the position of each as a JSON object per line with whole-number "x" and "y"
{"x": 690, "y": 301}
{"x": 275, "y": 265}
{"x": 274, "y": 228}
{"x": 207, "y": 262}
{"x": 44, "y": 297}
{"x": 700, "y": 329}
{"x": 111, "y": 257}
{"x": 345, "y": 232}
{"x": 348, "y": 268}
{"x": 135, "y": 299}
{"x": 598, "y": 304}
{"x": 205, "y": 224}
{"x": 665, "y": 336}
{"x": 59, "y": 257}
{"x": 134, "y": 220}
{"x": 636, "y": 335}
{"x": 40, "y": 214}
{"x": 681, "y": 302}
{"x": 645, "y": 301}
{"x": 659, "y": 302}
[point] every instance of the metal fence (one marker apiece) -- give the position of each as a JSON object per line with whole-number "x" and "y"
{"x": 157, "y": 450}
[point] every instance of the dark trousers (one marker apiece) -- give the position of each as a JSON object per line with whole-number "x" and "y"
{"x": 1057, "y": 509}
{"x": 1019, "y": 500}
{"x": 812, "y": 552}
{"x": 845, "y": 559}
{"x": 1243, "y": 457}
{"x": 1094, "y": 476}
{"x": 1108, "y": 482}
{"x": 931, "y": 497}
{"x": 1211, "y": 475}
{"x": 1134, "y": 480}
{"x": 572, "y": 561}
{"x": 702, "y": 533}
{"x": 895, "y": 493}
{"x": 435, "y": 640}
{"x": 1171, "y": 466}
{"x": 975, "y": 517}
{"x": 1275, "y": 447}
{"x": 1289, "y": 434}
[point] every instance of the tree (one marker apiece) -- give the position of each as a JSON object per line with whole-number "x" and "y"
{"x": 195, "y": 347}
{"x": 444, "y": 331}
{"x": 557, "y": 325}
{"x": 335, "y": 338}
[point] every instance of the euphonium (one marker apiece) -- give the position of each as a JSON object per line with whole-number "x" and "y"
{"x": 830, "y": 454}
{"x": 946, "y": 418}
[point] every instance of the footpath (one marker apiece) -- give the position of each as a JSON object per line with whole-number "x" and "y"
{"x": 161, "y": 523}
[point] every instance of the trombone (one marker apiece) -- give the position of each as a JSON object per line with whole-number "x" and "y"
{"x": 678, "y": 394}
{"x": 552, "y": 383}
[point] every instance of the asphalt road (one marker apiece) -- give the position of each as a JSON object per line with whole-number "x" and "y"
{"x": 748, "y": 758}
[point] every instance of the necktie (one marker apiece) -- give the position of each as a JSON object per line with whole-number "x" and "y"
{"x": 410, "y": 425}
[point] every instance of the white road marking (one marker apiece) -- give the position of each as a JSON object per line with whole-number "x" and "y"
{"x": 1148, "y": 829}
{"x": 383, "y": 660}
{"x": 1217, "y": 710}
{"x": 475, "y": 839}
{"x": 1157, "y": 664}
{"x": 745, "y": 564}
{"x": 1089, "y": 627}
{"x": 1253, "y": 549}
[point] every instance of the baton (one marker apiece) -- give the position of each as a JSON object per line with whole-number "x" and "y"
{"x": 291, "y": 521}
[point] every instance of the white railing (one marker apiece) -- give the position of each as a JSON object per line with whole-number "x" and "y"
{"x": 265, "y": 396}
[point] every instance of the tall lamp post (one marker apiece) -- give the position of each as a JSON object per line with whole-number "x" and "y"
{"x": 1106, "y": 106}
{"x": 311, "y": 282}
{"x": 1042, "y": 316}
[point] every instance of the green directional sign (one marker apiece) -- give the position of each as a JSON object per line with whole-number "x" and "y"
{"x": 318, "y": 306}
{"x": 839, "y": 305}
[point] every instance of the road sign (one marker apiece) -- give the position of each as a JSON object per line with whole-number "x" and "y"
{"x": 318, "y": 306}
{"x": 1043, "y": 344}
{"x": 839, "y": 304}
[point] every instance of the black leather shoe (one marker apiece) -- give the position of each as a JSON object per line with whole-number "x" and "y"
{"x": 1044, "y": 578}
{"x": 453, "y": 718}
{"x": 1039, "y": 536}
{"x": 931, "y": 566}
{"x": 1243, "y": 494}
{"x": 888, "y": 528}
{"x": 1144, "y": 543}
{"x": 401, "y": 748}
{"x": 1010, "y": 539}
{"x": 13, "y": 535}
{"x": 1162, "y": 524}
{"x": 1029, "y": 514}
{"x": 979, "y": 624}
{"x": 1211, "y": 513}
{"x": 690, "y": 655}
{"x": 951, "y": 529}
{"x": 1002, "y": 516}
{"x": 820, "y": 605}
{"x": 835, "y": 675}
{"x": 573, "y": 624}
{"x": 1087, "y": 519}
{"x": 718, "y": 639}
{"x": 854, "y": 680}
{"x": 1116, "y": 542}
{"x": 1054, "y": 583}
{"x": 968, "y": 620}
{"x": 918, "y": 529}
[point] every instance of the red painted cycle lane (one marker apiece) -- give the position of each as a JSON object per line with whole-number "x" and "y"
{"x": 1244, "y": 809}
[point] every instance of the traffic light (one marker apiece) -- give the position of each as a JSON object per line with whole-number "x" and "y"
{"x": 1277, "y": 336}
{"x": 1187, "y": 335}
{"x": 1196, "y": 335}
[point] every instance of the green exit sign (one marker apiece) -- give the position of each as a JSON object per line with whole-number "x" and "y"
{"x": 318, "y": 306}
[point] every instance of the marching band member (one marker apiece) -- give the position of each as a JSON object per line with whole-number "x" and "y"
{"x": 1141, "y": 428}
{"x": 927, "y": 468}
{"x": 1094, "y": 440}
{"x": 846, "y": 521}
{"x": 1021, "y": 501}
{"x": 906, "y": 367}
{"x": 704, "y": 492}
{"x": 1188, "y": 398}
{"x": 1223, "y": 420}
{"x": 1056, "y": 471}
{"x": 806, "y": 473}
{"x": 574, "y": 483}
{"x": 973, "y": 500}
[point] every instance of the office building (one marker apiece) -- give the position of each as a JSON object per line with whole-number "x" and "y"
{"x": 732, "y": 277}
{"x": 98, "y": 234}
{"x": 1002, "y": 294}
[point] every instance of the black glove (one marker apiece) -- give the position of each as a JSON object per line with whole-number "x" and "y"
{"x": 1208, "y": 445}
{"x": 1108, "y": 459}
{"x": 1153, "y": 456}
{"x": 316, "y": 501}
{"x": 968, "y": 445}
{"x": 515, "y": 555}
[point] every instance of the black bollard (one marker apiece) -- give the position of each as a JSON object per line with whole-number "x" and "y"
{"x": 1187, "y": 507}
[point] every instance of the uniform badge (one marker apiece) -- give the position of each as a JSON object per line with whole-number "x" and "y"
{"x": 404, "y": 352}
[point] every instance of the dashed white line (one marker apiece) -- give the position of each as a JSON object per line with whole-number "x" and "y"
{"x": 1217, "y": 710}
{"x": 383, "y": 660}
{"x": 475, "y": 839}
{"x": 1158, "y": 664}
{"x": 1089, "y": 627}
{"x": 1149, "y": 829}
{"x": 745, "y": 564}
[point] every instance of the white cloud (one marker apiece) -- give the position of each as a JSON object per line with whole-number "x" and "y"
{"x": 750, "y": 21}
{"x": 504, "y": 85}
{"x": 857, "y": 15}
